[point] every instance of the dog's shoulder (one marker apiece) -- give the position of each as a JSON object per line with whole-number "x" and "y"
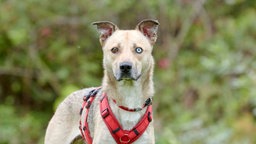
{"x": 73, "y": 102}
{"x": 79, "y": 94}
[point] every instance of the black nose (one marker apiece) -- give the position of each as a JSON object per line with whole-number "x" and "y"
{"x": 125, "y": 67}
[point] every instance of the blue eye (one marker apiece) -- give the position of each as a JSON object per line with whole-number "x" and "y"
{"x": 138, "y": 50}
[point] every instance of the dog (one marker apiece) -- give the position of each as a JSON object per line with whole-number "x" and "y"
{"x": 120, "y": 110}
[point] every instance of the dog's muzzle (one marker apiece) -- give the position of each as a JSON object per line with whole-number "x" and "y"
{"x": 126, "y": 72}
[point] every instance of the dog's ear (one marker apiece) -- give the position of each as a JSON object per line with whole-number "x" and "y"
{"x": 149, "y": 29}
{"x": 106, "y": 29}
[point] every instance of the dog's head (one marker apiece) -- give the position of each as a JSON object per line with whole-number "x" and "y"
{"x": 127, "y": 53}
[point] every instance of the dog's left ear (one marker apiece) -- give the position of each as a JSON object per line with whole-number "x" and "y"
{"x": 106, "y": 29}
{"x": 149, "y": 29}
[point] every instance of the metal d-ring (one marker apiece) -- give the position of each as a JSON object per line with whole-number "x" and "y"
{"x": 125, "y": 141}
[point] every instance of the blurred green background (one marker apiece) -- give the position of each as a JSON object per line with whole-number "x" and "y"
{"x": 205, "y": 74}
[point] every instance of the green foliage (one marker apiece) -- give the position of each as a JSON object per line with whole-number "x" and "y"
{"x": 205, "y": 65}
{"x": 18, "y": 126}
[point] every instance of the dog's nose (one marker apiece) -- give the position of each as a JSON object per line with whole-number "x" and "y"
{"x": 125, "y": 67}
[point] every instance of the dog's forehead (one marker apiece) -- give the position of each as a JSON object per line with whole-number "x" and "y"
{"x": 128, "y": 37}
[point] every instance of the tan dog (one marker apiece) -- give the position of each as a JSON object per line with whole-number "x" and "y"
{"x": 128, "y": 70}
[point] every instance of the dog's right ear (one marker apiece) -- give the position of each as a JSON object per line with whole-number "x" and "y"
{"x": 106, "y": 29}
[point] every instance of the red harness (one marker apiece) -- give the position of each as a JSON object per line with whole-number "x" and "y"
{"x": 88, "y": 99}
{"x": 121, "y": 136}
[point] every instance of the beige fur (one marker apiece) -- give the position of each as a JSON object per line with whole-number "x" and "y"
{"x": 131, "y": 91}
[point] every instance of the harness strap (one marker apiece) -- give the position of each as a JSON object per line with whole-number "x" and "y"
{"x": 88, "y": 99}
{"x": 123, "y": 136}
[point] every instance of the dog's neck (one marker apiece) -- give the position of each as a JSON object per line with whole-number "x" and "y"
{"x": 130, "y": 94}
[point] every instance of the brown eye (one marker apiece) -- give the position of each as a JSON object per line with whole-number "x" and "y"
{"x": 138, "y": 50}
{"x": 114, "y": 50}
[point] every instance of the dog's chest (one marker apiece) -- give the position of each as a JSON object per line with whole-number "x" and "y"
{"x": 127, "y": 119}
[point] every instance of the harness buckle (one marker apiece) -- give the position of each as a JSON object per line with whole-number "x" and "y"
{"x": 125, "y": 139}
{"x": 148, "y": 102}
{"x": 149, "y": 117}
{"x": 92, "y": 93}
{"x": 105, "y": 113}
{"x": 88, "y": 104}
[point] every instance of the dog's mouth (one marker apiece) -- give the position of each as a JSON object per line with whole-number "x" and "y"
{"x": 127, "y": 77}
